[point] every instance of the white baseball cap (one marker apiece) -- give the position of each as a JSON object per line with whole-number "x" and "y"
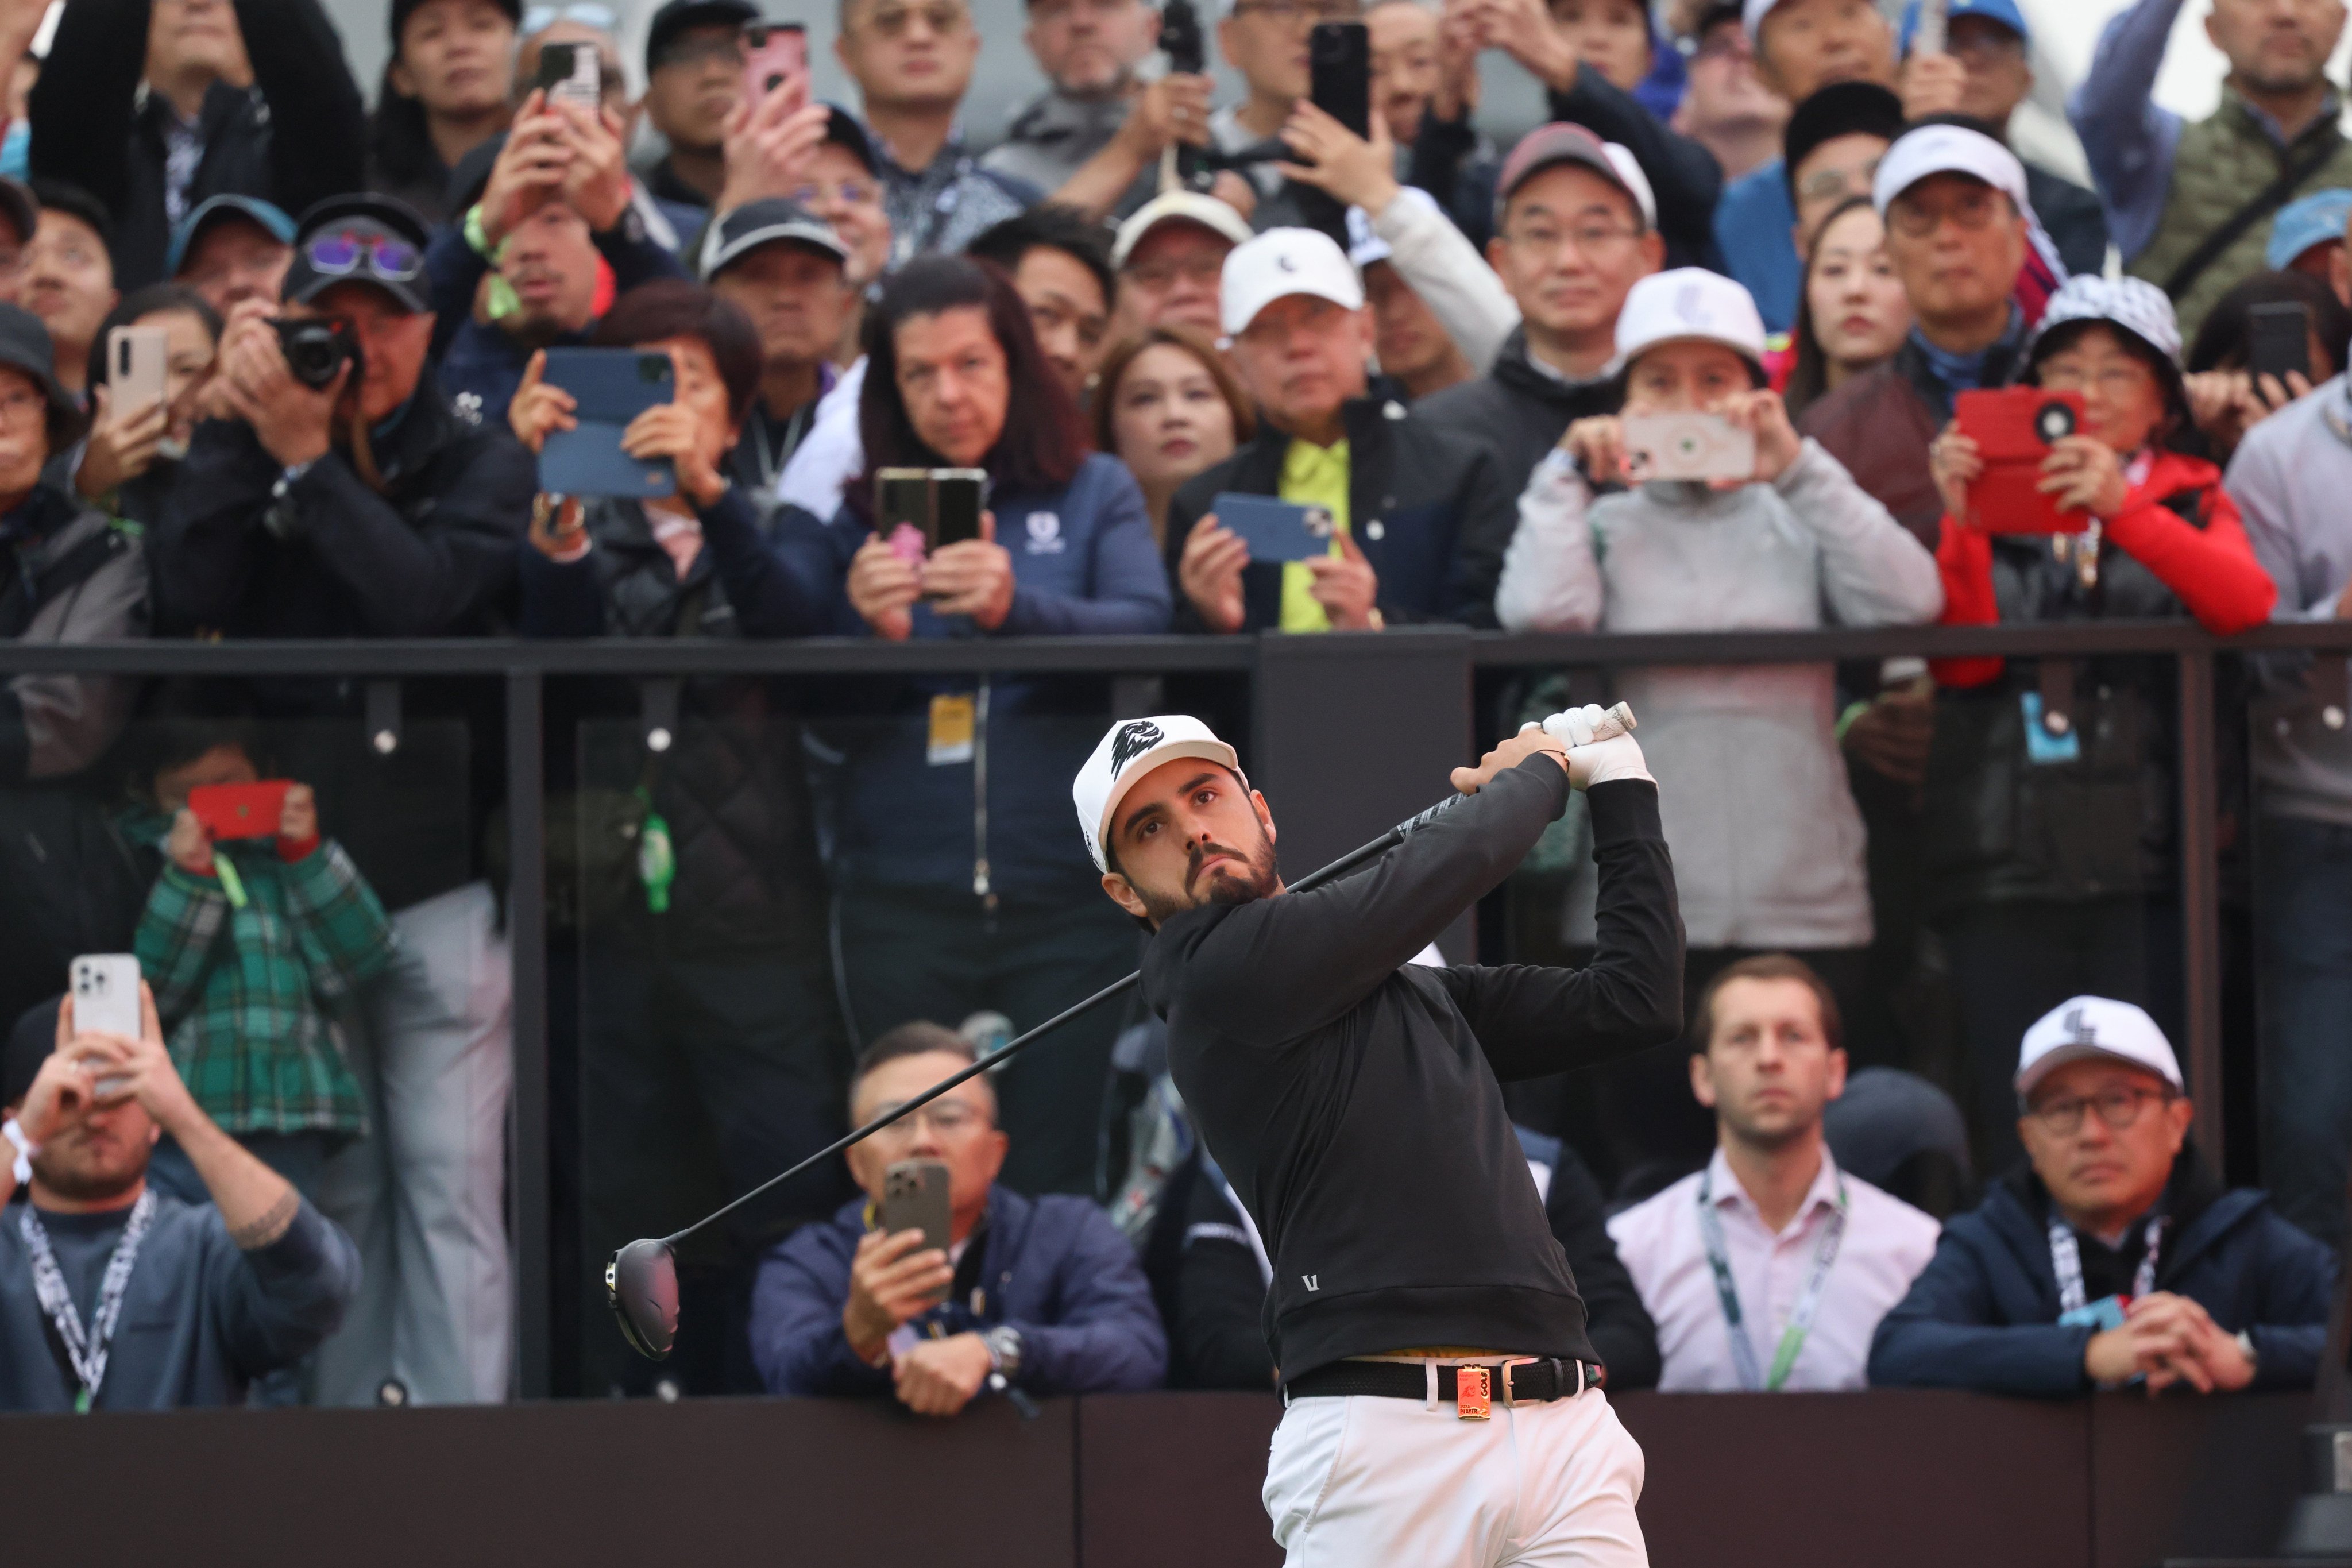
{"x": 1177, "y": 207}
{"x": 1131, "y": 749}
{"x": 1689, "y": 304}
{"x": 2094, "y": 1026}
{"x": 1948, "y": 150}
{"x": 1281, "y": 262}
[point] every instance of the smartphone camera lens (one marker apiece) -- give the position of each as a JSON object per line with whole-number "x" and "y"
{"x": 653, "y": 368}
{"x": 2054, "y": 422}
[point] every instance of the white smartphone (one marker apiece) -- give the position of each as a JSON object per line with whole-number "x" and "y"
{"x": 106, "y": 994}
{"x": 136, "y": 360}
{"x": 572, "y": 74}
{"x": 1689, "y": 446}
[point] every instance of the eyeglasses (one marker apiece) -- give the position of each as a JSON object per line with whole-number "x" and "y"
{"x": 1585, "y": 238}
{"x": 338, "y": 254}
{"x": 853, "y": 193}
{"x": 539, "y": 18}
{"x": 949, "y": 1119}
{"x": 2119, "y": 1108}
{"x": 1831, "y": 184}
{"x": 1974, "y": 210}
{"x": 1291, "y": 13}
{"x": 941, "y": 19}
{"x": 1202, "y": 272}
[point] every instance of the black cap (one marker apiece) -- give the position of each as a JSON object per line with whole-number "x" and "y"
{"x": 1714, "y": 15}
{"x": 772, "y": 220}
{"x": 17, "y": 206}
{"x": 841, "y": 128}
{"x": 31, "y": 1039}
{"x": 1840, "y": 108}
{"x": 26, "y": 345}
{"x": 402, "y": 10}
{"x": 677, "y": 15}
{"x": 367, "y": 220}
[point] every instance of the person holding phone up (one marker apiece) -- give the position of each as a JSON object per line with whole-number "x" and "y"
{"x": 1755, "y": 528}
{"x": 2049, "y": 841}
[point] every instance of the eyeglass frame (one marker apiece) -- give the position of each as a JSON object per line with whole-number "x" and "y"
{"x": 1291, "y": 13}
{"x": 979, "y": 1118}
{"x": 2138, "y": 1096}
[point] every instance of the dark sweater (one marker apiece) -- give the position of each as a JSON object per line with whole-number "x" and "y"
{"x": 1351, "y": 1097}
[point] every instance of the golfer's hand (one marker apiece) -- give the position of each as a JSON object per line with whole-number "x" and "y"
{"x": 1592, "y": 759}
{"x": 1509, "y": 754}
{"x": 938, "y": 1377}
{"x": 891, "y": 1278}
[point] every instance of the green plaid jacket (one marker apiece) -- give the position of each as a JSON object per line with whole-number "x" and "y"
{"x": 239, "y": 981}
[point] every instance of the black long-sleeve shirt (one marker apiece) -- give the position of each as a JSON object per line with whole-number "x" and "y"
{"x": 1352, "y": 1098}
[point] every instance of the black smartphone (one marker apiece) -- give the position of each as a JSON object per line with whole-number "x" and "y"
{"x": 1339, "y": 73}
{"x": 572, "y": 74}
{"x": 956, "y": 495}
{"x": 902, "y": 495}
{"x": 2278, "y": 339}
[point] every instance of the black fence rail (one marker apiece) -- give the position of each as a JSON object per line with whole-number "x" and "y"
{"x": 1322, "y": 710}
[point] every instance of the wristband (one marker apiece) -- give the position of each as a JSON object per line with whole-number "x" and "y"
{"x": 478, "y": 238}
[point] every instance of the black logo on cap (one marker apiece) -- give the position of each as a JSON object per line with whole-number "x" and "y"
{"x": 1134, "y": 740}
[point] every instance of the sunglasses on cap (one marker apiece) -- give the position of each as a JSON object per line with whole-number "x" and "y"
{"x": 384, "y": 255}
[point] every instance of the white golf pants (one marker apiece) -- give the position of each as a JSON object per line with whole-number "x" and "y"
{"x": 1362, "y": 1480}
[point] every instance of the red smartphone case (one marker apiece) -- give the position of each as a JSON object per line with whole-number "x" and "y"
{"x": 2014, "y": 430}
{"x": 240, "y": 811}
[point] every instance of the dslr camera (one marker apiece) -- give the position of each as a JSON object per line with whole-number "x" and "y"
{"x": 316, "y": 349}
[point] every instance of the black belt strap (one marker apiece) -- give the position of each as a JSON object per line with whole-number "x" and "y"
{"x": 1519, "y": 1383}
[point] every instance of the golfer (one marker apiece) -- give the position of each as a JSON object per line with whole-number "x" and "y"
{"x": 1443, "y": 1403}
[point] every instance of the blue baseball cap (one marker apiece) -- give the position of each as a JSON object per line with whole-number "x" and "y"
{"x": 210, "y": 210}
{"x": 2005, "y": 12}
{"x": 2305, "y": 222}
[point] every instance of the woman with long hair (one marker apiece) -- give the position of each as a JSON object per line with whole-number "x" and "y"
{"x": 1851, "y": 313}
{"x": 1166, "y": 406}
{"x": 134, "y": 455}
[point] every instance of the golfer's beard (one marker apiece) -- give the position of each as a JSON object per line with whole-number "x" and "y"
{"x": 1229, "y": 884}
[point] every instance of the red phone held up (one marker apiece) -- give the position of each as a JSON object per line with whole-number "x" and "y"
{"x": 2014, "y": 428}
{"x": 240, "y": 811}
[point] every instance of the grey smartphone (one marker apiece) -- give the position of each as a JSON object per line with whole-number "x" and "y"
{"x": 572, "y": 74}
{"x": 2278, "y": 339}
{"x": 1275, "y": 530}
{"x": 915, "y": 1197}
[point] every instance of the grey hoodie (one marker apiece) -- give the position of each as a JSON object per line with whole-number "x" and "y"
{"x": 1767, "y": 843}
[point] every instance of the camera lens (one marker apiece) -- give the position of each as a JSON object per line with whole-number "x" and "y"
{"x": 2054, "y": 422}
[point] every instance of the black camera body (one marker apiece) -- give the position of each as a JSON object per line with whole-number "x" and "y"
{"x": 1182, "y": 37}
{"x": 316, "y": 349}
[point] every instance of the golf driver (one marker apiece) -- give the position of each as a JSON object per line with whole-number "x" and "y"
{"x": 641, "y": 1279}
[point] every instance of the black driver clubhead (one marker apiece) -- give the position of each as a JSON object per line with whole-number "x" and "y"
{"x": 641, "y": 1286}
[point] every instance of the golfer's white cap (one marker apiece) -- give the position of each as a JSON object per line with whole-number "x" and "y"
{"x": 1178, "y": 206}
{"x": 1948, "y": 150}
{"x": 1752, "y": 14}
{"x": 1688, "y": 304}
{"x": 2094, "y": 1026}
{"x": 1131, "y": 749}
{"x": 1280, "y": 262}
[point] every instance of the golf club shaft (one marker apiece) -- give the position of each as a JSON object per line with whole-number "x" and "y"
{"x": 1338, "y": 868}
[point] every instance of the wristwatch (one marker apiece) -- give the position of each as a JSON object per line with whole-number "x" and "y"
{"x": 1004, "y": 1343}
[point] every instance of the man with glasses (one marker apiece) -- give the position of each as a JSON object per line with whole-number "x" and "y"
{"x": 368, "y": 506}
{"x": 1574, "y": 234}
{"x": 1983, "y": 71}
{"x": 1169, "y": 257}
{"x": 1265, "y": 42}
{"x": 2115, "y": 1257}
{"x": 231, "y": 249}
{"x": 912, "y": 62}
{"x": 694, "y": 77}
{"x": 1031, "y": 1296}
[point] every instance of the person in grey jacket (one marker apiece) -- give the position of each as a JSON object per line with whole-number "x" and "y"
{"x": 1776, "y": 863}
{"x": 114, "y": 1295}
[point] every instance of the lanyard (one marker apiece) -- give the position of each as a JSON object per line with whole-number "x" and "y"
{"x": 87, "y": 1352}
{"x": 1800, "y": 1318}
{"x": 2066, "y": 1262}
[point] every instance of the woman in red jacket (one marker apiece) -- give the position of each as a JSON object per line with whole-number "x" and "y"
{"x": 2050, "y": 839}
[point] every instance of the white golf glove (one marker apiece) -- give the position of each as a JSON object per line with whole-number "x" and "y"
{"x": 1600, "y": 745}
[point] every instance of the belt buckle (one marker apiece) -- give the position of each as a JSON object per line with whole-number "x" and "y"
{"x": 1474, "y": 1393}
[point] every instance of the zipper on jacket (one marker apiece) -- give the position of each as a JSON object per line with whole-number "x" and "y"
{"x": 980, "y": 799}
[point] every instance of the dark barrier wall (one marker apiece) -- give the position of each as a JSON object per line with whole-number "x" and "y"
{"x": 1159, "y": 1481}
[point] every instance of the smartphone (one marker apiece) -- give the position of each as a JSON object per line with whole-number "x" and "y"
{"x": 2278, "y": 339}
{"x": 1697, "y": 446}
{"x": 957, "y": 497}
{"x": 915, "y": 1197}
{"x": 775, "y": 55}
{"x": 1275, "y": 530}
{"x": 240, "y": 811}
{"x": 902, "y": 496}
{"x": 106, "y": 994}
{"x": 571, "y": 73}
{"x": 1339, "y": 73}
{"x": 136, "y": 360}
{"x": 1933, "y": 29}
{"x": 611, "y": 386}
{"x": 2014, "y": 428}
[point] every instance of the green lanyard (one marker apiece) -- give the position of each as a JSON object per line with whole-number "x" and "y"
{"x": 1800, "y": 1318}
{"x": 656, "y": 860}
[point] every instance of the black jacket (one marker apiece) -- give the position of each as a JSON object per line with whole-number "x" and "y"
{"x": 89, "y": 93}
{"x": 2071, "y": 216}
{"x": 1352, "y": 1097}
{"x": 1433, "y": 515}
{"x": 1519, "y": 411}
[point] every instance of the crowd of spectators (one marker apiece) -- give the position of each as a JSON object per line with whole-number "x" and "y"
{"x": 1932, "y": 910}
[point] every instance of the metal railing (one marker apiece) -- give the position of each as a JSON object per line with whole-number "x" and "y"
{"x": 1443, "y": 661}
